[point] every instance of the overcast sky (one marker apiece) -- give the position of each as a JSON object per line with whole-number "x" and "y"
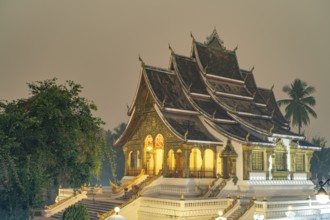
{"x": 97, "y": 43}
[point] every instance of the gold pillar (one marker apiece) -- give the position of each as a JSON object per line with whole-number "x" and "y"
{"x": 203, "y": 162}
{"x": 186, "y": 169}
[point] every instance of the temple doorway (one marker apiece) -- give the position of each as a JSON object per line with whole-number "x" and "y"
{"x": 228, "y": 157}
{"x": 159, "y": 151}
{"x": 179, "y": 161}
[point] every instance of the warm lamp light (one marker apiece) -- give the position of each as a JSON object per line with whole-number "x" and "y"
{"x": 322, "y": 196}
{"x": 220, "y": 213}
{"x": 117, "y": 209}
{"x": 149, "y": 148}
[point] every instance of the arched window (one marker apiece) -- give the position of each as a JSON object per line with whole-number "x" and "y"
{"x": 195, "y": 162}
{"x": 159, "y": 141}
{"x": 209, "y": 163}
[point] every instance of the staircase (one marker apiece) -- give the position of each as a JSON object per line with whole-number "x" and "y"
{"x": 216, "y": 190}
{"x": 245, "y": 205}
{"x": 96, "y": 204}
{"x": 141, "y": 185}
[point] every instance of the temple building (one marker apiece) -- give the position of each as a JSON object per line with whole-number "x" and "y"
{"x": 204, "y": 142}
{"x": 205, "y": 117}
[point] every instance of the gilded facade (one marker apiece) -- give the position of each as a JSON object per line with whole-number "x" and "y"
{"x": 204, "y": 116}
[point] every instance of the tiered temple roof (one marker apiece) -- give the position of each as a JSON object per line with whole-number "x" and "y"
{"x": 209, "y": 91}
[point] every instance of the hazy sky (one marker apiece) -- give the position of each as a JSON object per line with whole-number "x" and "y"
{"x": 96, "y": 43}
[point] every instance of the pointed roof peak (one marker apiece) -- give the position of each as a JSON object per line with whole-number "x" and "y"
{"x": 214, "y": 35}
{"x": 142, "y": 62}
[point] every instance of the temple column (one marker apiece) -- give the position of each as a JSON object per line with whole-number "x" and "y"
{"x": 125, "y": 150}
{"x": 214, "y": 163}
{"x": 308, "y": 157}
{"x": 265, "y": 161}
{"x": 165, "y": 165}
{"x": 293, "y": 156}
{"x": 154, "y": 161}
{"x": 247, "y": 163}
{"x": 186, "y": 158}
{"x": 203, "y": 163}
{"x": 269, "y": 162}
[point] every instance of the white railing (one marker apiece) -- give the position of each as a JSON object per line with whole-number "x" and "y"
{"x": 64, "y": 193}
{"x": 277, "y": 210}
{"x": 280, "y": 182}
{"x": 182, "y": 208}
{"x": 299, "y": 176}
{"x": 61, "y": 205}
{"x": 257, "y": 176}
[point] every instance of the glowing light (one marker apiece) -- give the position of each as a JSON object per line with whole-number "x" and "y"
{"x": 117, "y": 209}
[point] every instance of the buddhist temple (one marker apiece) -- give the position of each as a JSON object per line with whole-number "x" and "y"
{"x": 204, "y": 142}
{"x": 204, "y": 117}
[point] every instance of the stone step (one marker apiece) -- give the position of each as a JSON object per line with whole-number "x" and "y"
{"x": 94, "y": 207}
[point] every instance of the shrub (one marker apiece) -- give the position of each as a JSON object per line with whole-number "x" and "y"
{"x": 76, "y": 212}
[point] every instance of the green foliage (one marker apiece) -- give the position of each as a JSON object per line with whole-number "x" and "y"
{"x": 300, "y": 103}
{"x": 51, "y": 138}
{"x": 114, "y": 156}
{"x": 320, "y": 162}
{"x": 76, "y": 212}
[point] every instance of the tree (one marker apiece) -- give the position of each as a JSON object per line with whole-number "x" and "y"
{"x": 48, "y": 139}
{"x": 320, "y": 161}
{"x": 76, "y": 212}
{"x": 300, "y": 103}
{"x": 113, "y": 156}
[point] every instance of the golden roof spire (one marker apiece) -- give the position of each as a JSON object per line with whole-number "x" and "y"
{"x": 251, "y": 70}
{"x": 247, "y": 137}
{"x": 272, "y": 87}
{"x": 186, "y": 135}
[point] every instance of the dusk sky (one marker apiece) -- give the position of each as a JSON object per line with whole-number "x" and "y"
{"x": 97, "y": 44}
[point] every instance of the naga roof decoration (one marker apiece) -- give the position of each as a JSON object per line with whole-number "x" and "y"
{"x": 208, "y": 90}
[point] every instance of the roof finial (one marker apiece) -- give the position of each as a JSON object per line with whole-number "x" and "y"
{"x": 169, "y": 47}
{"x": 273, "y": 112}
{"x": 128, "y": 109}
{"x": 163, "y": 102}
{"x": 251, "y": 70}
{"x": 271, "y": 129}
{"x": 247, "y": 137}
{"x": 192, "y": 37}
{"x": 235, "y": 48}
{"x": 190, "y": 86}
{"x": 272, "y": 87}
{"x": 142, "y": 63}
{"x": 246, "y": 76}
{"x": 205, "y": 68}
{"x": 254, "y": 94}
{"x": 186, "y": 135}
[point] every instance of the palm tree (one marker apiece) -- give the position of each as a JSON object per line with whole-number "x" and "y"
{"x": 320, "y": 161}
{"x": 299, "y": 105}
